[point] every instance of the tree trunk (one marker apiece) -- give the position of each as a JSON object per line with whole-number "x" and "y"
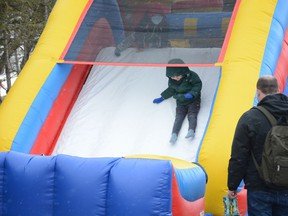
{"x": 26, "y": 52}
{"x": 46, "y": 12}
{"x": 8, "y": 79}
{"x": 8, "y": 66}
{"x": 17, "y": 62}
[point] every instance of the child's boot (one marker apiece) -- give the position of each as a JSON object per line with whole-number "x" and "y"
{"x": 190, "y": 134}
{"x": 173, "y": 138}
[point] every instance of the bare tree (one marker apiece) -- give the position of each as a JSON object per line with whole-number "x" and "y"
{"x": 21, "y": 23}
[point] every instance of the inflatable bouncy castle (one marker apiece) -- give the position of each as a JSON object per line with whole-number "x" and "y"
{"x": 84, "y": 100}
{"x": 69, "y": 185}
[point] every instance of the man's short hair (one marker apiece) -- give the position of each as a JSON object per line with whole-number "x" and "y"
{"x": 267, "y": 84}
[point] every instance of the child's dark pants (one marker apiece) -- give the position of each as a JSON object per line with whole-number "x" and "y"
{"x": 191, "y": 110}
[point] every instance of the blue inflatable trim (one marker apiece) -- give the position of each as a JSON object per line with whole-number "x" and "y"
{"x": 191, "y": 182}
{"x": 40, "y": 108}
{"x": 275, "y": 38}
{"x": 74, "y": 186}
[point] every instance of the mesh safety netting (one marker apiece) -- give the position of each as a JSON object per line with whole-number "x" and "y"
{"x": 128, "y": 28}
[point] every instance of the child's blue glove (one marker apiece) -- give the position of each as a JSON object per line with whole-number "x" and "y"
{"x": 158, "y": 100}
{"x": 188, "y": 96}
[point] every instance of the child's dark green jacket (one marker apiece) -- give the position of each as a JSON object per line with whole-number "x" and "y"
{"x": 190, "y": 83}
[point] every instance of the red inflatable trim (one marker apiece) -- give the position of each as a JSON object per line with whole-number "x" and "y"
{"x": 197, "y": 5}
{"x": 242, "y": 202}
{"x": 229, "y": 31}
{"x": 51, "y": 129}
{"x": 62, "y": 106}
{"x": 182, "y": 207}
{"x": 281, "y": 71}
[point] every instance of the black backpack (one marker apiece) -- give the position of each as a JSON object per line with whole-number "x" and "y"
{"x": 274, "y": 165}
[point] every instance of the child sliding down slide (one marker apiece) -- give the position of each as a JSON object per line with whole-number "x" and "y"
{"x": 185, "y": 87}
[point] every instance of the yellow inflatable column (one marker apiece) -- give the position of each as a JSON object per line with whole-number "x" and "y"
{"x": 240, "y": 71}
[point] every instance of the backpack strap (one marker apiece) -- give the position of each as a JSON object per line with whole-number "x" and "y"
{"x": 273, "y": 122}
{"x": 256, "y": 164}
{"x": 268, "y": 115}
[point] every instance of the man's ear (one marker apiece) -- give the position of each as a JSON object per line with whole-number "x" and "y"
{"x": 258, "y": 93}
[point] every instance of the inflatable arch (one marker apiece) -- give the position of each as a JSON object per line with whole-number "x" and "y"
{"x": 37, "y": 108}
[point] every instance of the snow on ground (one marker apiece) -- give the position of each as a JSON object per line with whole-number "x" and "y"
{"x": 114, "y": 115}
{"x": 4, "y": 84}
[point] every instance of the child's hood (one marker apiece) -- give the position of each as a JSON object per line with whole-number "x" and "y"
{"x": 176, "y": 71}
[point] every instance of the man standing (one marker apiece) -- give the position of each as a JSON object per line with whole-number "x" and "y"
{"x": 249, "y": 138}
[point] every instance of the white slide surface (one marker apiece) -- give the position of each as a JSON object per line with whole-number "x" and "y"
{"x": 114, "y": 115}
